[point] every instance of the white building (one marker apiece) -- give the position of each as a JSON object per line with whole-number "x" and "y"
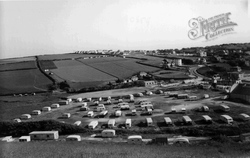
{"x": 24, "y": 139}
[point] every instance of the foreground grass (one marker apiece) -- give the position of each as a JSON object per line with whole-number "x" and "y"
{"x": 119, "y": 150}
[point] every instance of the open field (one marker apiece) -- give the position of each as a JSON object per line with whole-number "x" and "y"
{"x": 171, "y": 74}
{"x": 75, "y": 71}
{"x": 15, "y": 60}
{"x": 18, "y": 66}
{"x": 87, "y": 149}
{"x": 65, "y": 56}
{"x": 119, "y": 67}
{"x": 23, "y": 81}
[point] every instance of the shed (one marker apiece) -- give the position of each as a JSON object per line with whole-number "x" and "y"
{"x": 24, "y": 139}
{"x": 135, "y": 139}
{"x": 73, "y": 138}
{"x": 93, "y": 124}
{"x": 78, "y": 123}
{"x": 25, "y": 116}
{"x": 46, "y": 109}
{"x": 84, "y": 103}
{"x": 55, "y": 105}
{"x": 44, "y": 135}
{"x": 111, "y": 123}
{"x": 108, "y": 133}
{"x": 36, "y": 112}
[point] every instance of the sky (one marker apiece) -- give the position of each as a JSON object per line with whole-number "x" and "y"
{"x": 29, "y": 28}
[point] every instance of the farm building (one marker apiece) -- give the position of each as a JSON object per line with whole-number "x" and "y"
{"x": 111, "y": 123}
{"x": 25, "y": 116}
{"x": 108, "y": 133}
{"x": 168, "y": 120}
{"x": 135, "y": 139}
{"x": 17, "y": 120}
{"x": 93, "y": 124}
{"x": 63, "y": 102}
{"x": 244, "y": 117}
{"x": 55, "y": 106}
{"x": 240, "y": 91}
{"x": 36, "y": 112}
{"x": 24, "y": 139}
{"x": 226, "y": 118}
{"x": 46, "y": 109}
{"x": 78, "y": 123}
{"x": 73, "y": 138}
{"x": 7, "y": 139}
{"x": 149, "y": 122}
{"x": 128, "y": 123}
{"x": 44, "y": 135}
{"x": 66, "y": 115}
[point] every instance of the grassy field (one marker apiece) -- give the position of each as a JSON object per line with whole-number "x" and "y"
{"x": 23, "y": 81}
{"x": 65, "y": 56}
{"x": 18, "y": 66}
{"x": 87, "y": 149}
{"x": 15, "y": 60}
{"x": 13, "y": 107}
